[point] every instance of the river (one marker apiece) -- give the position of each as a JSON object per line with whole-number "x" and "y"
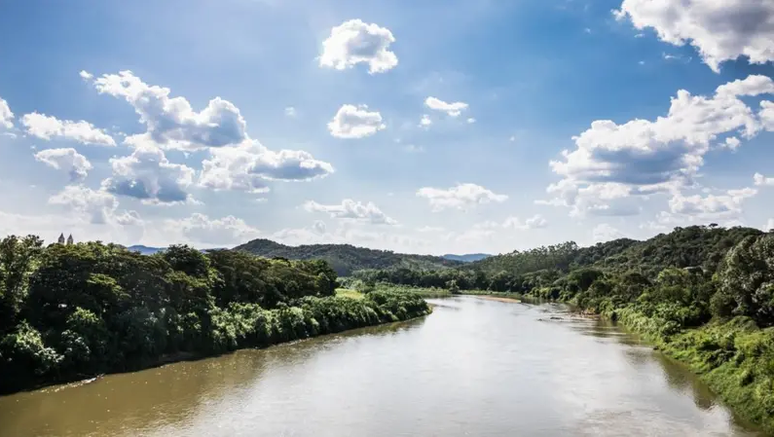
{"x": 474, "y": 367}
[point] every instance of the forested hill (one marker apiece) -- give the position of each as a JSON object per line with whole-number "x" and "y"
{"x": 693, "y": 246}
{"x": 345, "y": 258}
{"x": 468, "y": 258}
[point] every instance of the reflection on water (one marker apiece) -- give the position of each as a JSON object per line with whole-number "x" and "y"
{"x": 473, "y": 367}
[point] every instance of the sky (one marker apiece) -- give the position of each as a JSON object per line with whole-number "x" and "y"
{"x": 439, "y": 126}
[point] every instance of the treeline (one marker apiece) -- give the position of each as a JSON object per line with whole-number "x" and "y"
{"x": 345, "y": 258}
{"x": 703, "y": 294}
{"x": 72, "y": 311}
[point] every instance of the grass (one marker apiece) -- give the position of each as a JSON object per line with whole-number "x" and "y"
{"x": 346, "y": 292}
{"x": 735, "y": 358}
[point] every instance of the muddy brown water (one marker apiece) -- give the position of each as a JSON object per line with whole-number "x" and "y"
{"x": 474, "y": 367}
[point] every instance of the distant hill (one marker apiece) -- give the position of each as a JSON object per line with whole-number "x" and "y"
{"x": 693, "y": 246}
{"x": 467, "y": 258}
{"x": 345, "y": 258}
{"x": 145, "y": 250}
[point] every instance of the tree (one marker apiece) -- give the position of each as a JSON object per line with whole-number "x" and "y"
{"x": 18, "y": 259}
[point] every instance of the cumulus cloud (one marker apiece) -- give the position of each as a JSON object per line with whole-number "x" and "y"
{"x": 425, "y": 121}
{"x": 250, "y": 165}
{"x": 515, "y": 223}
{"x": 355, "y": 42}
{"x": 732, "y": 143}
{"x": 535, "y": 222}
{"x": 170, "y": 121}
{"x": 46, "y": 128}
{"x": 452, "y": 109}
{"x": 97, "y": 205}
{"x": 711, "y": 206}
{"x": 69, "y": 160}
{"x": 471, "y": 120}
{"x": 236, "y": 161}
{"x": 148, "y": 175}
{"x": 767, "y": 115}
{"x": 769, "y": 225}
{"x": 355, "y": 122}
{"x": 352, "y": 210}
{"x": 461, "y": 196}
{"x": 290, "y": 111}
{"x": 319, "y": 227}
{"x": 85, "y": 75}
{"x": 6, "y": 116}
{"x": 641, "y": 157}
{"x": 761, "y": 180}
{"x": 605, "y": 232}
{"x": 225, "y": 231}
{"x": 720, "y": 30}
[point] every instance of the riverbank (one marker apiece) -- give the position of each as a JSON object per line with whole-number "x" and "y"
{"x": 496, "y": 298}
{"x": 242, "y": 326}
{"x": 734, "y": 358}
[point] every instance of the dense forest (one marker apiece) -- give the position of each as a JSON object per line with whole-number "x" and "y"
{"x": 702, "y": 294}
{"x": 345, "y": 258}
{"x": 72, "y": 311}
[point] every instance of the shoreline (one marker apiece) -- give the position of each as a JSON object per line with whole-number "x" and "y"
{"x": 186, "y": 356}
{"x": 495, "y": 298}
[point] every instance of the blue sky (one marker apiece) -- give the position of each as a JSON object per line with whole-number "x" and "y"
{"x": 212, "y": 123}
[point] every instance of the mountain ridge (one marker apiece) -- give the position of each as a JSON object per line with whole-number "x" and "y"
{"x": 347, "y": 258}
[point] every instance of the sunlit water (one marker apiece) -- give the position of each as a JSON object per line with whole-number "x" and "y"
{"x": 474, "y": 367}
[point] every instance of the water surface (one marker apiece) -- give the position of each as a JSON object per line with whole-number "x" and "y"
{"x": 474, "y": 367}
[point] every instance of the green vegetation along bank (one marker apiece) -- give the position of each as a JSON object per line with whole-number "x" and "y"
{"x": 703, "y": 294}
{"x": 69, "y": 312}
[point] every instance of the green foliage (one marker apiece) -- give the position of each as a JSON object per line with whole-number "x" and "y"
{"x": 89, "y": 308}
{"x": 747, "y": 275}
{"x": 345, "y": 259}
{"x": 18, "y": 259}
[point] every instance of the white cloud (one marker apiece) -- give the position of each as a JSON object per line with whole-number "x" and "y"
{"x": 471, "y": 120}
{"x": 425, "y": 121}
{"x": 355, "y": 122}
{"x": 249, "y": 166}
{"x": 69, "y": 160}
{"x": 452, "y": 109}
{"x": 721, "y": 30}
{"x": 761, "y": 180}
{"x": 319, "y": 227}
{"x": 769, "y": 225}
{"x": 85, "y": 75}
{"x": 225, "y": 231}
{"x": 642, "y": 157}
{"x": 98, "y": 206}
{"x": 45, "y": 127}
{"x": 754, "y": 85}
{"x": 148, "y": 175}
{"x": 352, "y": 210}
{"x": 49, "y": 226}
{"x": 355, "y": 42}
{"x": 767, "y": 115}
{"x": 425, "y": 229}
{"x": 513, "y": 223}
{"x": 290, "y": 111}
{"x": 535, "y": 222}
{"x": 411, "y": 148}
{"x": 170, "y": 121}
{"x": 6, "y": 116}
{"x": 711, "y": 206}
{"x": 461, "y": 196}
{"x": 605, "y": 232}
{"x": 732, "y": 143}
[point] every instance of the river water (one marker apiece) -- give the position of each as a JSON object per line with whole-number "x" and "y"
{"x": 474, "y": 367}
